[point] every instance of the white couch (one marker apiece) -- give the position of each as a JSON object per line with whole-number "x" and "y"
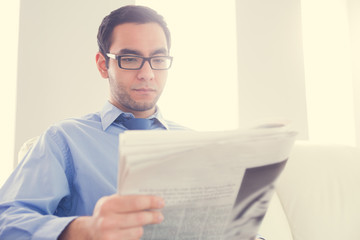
{"x": 317, "y": 195}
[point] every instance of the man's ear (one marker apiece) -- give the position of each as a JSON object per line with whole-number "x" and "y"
{"x": 101, "y": 65}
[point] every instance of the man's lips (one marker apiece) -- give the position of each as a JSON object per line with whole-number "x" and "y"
{"x": 144, "y": 90}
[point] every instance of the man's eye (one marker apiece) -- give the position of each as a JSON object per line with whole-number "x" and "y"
{"x": 129, "y": 59}
{"x": 158, "y": 60}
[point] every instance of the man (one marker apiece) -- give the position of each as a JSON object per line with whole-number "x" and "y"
{"x": 66, "y": 186}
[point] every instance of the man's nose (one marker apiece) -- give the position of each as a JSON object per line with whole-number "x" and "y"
{"x": 146, "y": 72}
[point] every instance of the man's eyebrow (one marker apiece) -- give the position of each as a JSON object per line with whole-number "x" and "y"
{"x": 129, "y": 51}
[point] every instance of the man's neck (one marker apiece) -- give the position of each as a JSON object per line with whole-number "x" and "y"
{"x": 137, "y": 114}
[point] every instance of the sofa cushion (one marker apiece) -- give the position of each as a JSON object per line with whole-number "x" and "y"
{"x": 320, "y": 191}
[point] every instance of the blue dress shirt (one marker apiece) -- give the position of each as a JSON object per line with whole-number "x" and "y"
{"x": 72, "y": 165}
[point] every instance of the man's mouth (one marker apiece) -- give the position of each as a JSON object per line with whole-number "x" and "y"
{"x": 144, "y": 90}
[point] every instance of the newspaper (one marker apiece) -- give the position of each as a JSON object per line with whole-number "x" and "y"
{"x": 216, "y": 185}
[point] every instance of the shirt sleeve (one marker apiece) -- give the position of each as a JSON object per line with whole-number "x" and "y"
{"x": 30, "y": 198}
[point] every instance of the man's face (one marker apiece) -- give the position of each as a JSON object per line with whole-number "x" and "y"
{"x": 136, "y": 91}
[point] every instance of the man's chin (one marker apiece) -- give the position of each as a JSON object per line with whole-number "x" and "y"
{"x": 142, "y": 107}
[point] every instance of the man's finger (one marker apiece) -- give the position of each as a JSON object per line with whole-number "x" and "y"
{"x": 130, "y": 220}
{"x": 129, "y": 233}
{"x": 126, "y": 204}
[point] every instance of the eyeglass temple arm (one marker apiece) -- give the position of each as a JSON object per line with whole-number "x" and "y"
{"x": 110, "y": 55}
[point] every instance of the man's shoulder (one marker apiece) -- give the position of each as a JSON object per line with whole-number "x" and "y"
{"x": 91, "y": 120}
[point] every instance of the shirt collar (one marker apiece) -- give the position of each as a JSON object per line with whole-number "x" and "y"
{"x": 110, "y": 113}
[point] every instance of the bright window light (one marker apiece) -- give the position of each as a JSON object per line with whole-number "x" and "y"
{"x": 329, "y": 84}
{"x": 9, "y": 25}
{"x": 201, "y": 91}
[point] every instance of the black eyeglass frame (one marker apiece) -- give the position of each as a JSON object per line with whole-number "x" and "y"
{"x": 144, "y": 59}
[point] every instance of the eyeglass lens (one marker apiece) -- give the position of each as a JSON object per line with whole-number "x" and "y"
{"x": 133, "y": 62}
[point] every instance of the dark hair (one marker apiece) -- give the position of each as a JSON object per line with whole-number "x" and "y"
{"x": 128, "y": 14}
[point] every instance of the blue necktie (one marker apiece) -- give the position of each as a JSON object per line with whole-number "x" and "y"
{"x": 137, "y": 123}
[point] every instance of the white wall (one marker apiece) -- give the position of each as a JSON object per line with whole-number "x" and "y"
{"x": 270, "y": 63}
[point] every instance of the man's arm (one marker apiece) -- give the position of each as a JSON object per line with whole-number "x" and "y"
{"x": 116, "y": 217}
{"x": 30, "y": 196}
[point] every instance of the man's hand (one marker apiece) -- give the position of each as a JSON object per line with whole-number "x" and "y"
{"x": 116, "y": 217}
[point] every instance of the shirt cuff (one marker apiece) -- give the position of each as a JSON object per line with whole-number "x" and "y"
{"x": 53, "y": 228}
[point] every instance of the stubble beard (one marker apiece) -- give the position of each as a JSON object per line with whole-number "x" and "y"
{"x": 125, "y": 100}
{"x": 126, "y": 103}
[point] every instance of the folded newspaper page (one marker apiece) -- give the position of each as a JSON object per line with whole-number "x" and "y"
{"x": 216, "y": 185}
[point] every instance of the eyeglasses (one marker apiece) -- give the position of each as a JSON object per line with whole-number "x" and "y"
{"x": 131, "y": 62}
